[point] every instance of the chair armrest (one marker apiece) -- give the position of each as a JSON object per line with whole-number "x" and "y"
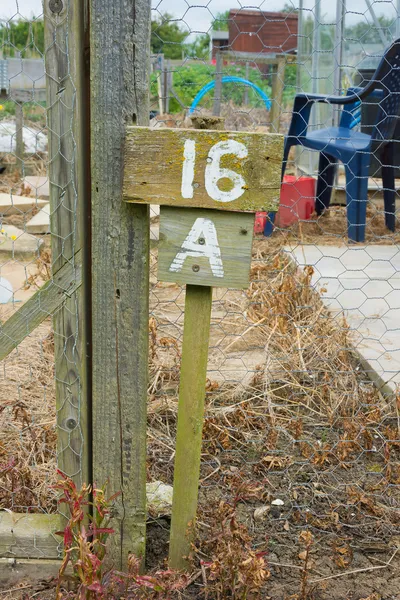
{"x": 311, "y": 98}
{"x": 302, "y": 108}
{"x": 303, "y": 103}
{"x": 354, "y": 94}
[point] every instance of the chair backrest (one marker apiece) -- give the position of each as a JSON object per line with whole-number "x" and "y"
{"x": 387, "y": 78}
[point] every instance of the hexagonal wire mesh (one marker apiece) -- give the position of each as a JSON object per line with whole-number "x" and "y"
{"x": 28, "y": 444}
{"x": 301, "y": 428}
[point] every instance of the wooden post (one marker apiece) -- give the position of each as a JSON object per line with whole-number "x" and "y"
{"x": 160, "y": 94}
{"x": 192, "y": 387}
{"x": 218, "y": 85}
{"x": 165, "y": 89}
{"x": 192, "y": 391}
{"x": 246, "y": 89}
{"x": 278, "y": 80}
{"x": 19, "y": 138}
{"x": 120, "y": 66}
{"x": 66, "y": 38}
{"x": 167, "y": 86}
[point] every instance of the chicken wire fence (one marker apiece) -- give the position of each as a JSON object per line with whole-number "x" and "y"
{"x": 30, "y": 443}
{"x": 301, "y": 428}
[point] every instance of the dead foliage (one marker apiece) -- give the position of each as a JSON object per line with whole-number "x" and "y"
{"x": 235, "y": 569}
{"x": 27, "y": 423}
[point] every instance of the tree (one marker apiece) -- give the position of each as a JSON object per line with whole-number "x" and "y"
{"x": 199, "y": 48}
{"x": 288, "y": 7}
{"x": 167, "y": 36}
{"x": 22, "y": 36}
{"x": 221, "y": 21}
{"x": 367, "y": 33}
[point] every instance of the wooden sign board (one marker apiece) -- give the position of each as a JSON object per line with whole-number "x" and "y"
{"x": 223, "y": 170}
{"x": 205, "y": 247}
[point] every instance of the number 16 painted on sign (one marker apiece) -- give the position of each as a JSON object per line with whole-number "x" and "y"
{"x": 213, "y": 171}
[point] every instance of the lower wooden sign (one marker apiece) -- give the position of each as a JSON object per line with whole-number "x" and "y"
{"x": 205, "y": 247}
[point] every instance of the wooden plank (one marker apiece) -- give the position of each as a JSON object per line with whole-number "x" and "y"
{"x": 33, "y": 535}
{"x": 160, "y": 168}
{"x": 205, "y": 247}
{"x": 30, "y": 535}
{"x": 218, "y": 85}
{"x": 190, "y": 422}
{"x": 45, "y": 302}
{"x": 246, "y": 89}
{"x": 266, "y": 58}
{"x": 120, "y": 66}
{"x": 66, "y": 66}
{"x": 19, "y": 138}
{"x": 278, "y": 83}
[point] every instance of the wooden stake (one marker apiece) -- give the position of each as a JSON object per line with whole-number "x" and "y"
{"x": 196, "y": 335}
{"x": 19, "y": 140}
{"x": 218, "y": 85}
{"x": 192, "y": 390}
{"x": 277, "y": 93}
{"x": 246, "y": 89}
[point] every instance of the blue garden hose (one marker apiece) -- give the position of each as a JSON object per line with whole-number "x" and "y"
{"x": 209, "y": 86}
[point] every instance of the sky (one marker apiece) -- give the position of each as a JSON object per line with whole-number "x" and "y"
{"x": 196, "y": 15}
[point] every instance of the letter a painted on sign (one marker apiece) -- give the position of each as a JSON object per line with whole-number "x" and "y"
{"x": 201, "y": 241}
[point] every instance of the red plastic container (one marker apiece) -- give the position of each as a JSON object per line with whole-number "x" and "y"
{"x": 259, "y": 222}
{"x": 297, "y": 200}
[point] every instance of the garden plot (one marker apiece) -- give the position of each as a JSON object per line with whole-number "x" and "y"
{"x": 299, "y": 434}
{"x": 295, "y": 434}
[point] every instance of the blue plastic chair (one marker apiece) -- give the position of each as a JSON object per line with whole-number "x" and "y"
{"x": 351, "y": 147}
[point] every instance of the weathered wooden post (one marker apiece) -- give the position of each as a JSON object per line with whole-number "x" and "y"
{"x": 67, "y": 72}
{"x": 246, "y": 89}
{"x": 19, "y": 138}
{"x": 202, "y": 176}
{"x": 120, "y": 68}
{"x": 278, "y": 82}
{"x": 218, "y": 85}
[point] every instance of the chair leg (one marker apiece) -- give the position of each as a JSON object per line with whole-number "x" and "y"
{"x": 389, "y": 192}
{"x": 269, "y": 224}
{"x": 357, "y": 196}
{"x": 326, "y": 176}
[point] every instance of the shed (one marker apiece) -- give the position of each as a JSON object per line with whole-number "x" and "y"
{"x": 258, "y": 31}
